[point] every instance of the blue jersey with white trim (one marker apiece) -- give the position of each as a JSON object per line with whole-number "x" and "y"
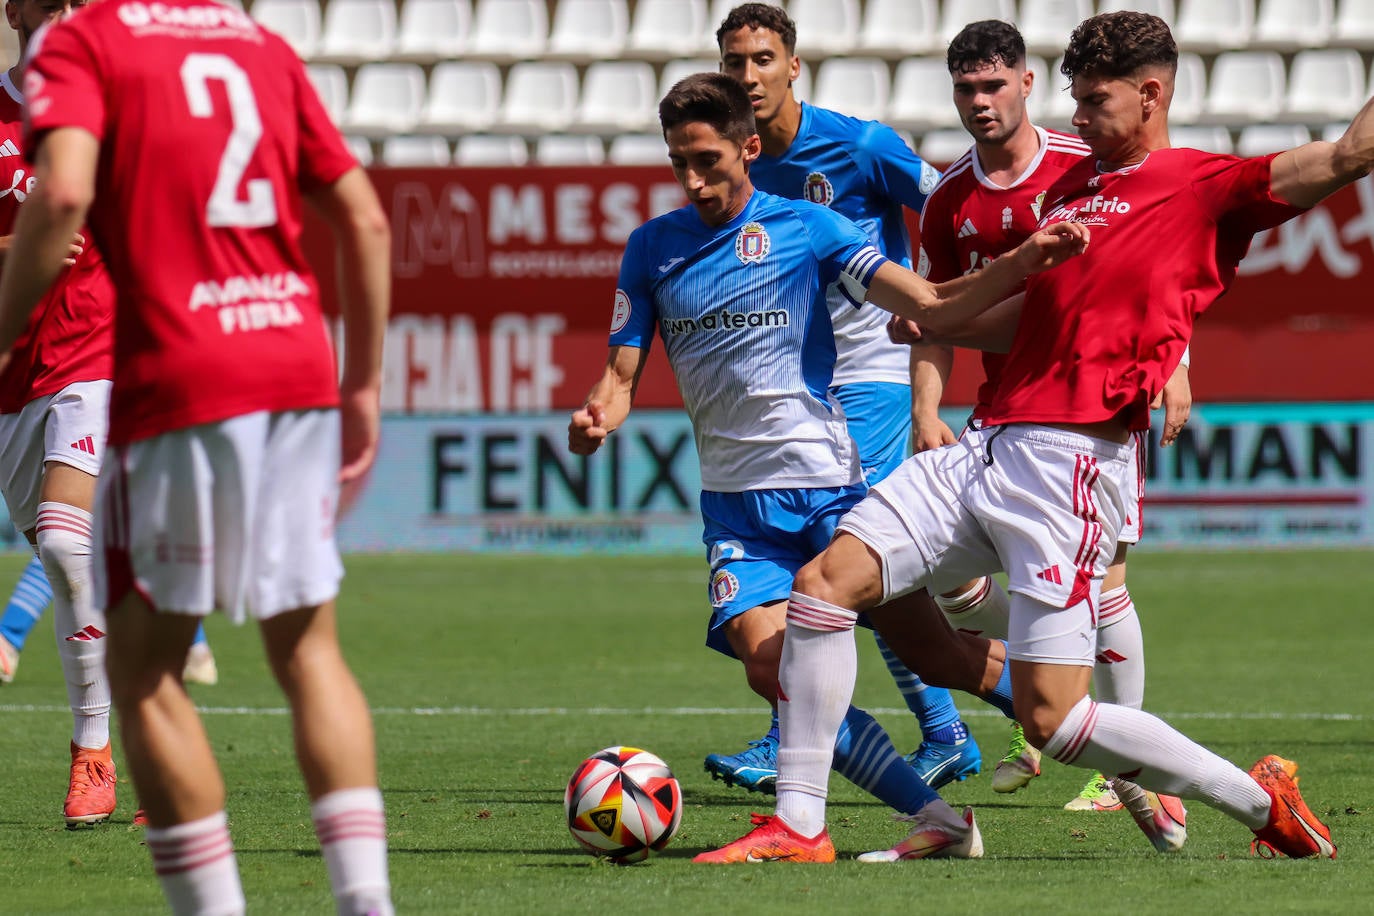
{"x": 864, "y": 171}
{"x": 742, "y": 312}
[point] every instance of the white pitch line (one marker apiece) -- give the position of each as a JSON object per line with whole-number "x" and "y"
{"x": 480, "y": 711}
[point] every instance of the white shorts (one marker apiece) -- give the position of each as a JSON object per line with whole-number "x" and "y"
{"x": 69, "y": 426}
{"x": 237, "y": 515}
{"x": 1135, "y": 494}
{"x": 1043, "y": 504}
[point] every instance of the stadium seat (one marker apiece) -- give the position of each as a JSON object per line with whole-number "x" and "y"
{"x": 491, "y": 150}
{"x": 719, "y": 10}
{"x": 1332, "y": 132}
{"x": 856, "y": 86}
{"x": 298, "y": 21}
{"x": 540, "y": 96}
{"x": 675, "y": 70}
{"x": 958, "y": 13}
{"x": 432, "y": 30}
{"x": 463, "y": 96}
{"x": 1263, "y": 139}
{"x": 569, "y": 149}
{"x": 404, "y": 151}
{"x": 586, "y": 30}
{"x": 617, "y": 95}
{"x": 801, "y": 89}
{"x": 361, "y": 148}
{"x": 356, "y": 31}
{"x": 1164, "y": 9}
{"x": 331, "y": 83}
{"x": 1046, "y": 24}
{"x": 825, "y": 28}
{"x": 1354, "y": 25}
{"x": 1058, "y": 102}
{"x": 1213, "y": 139}
{"x": 1246, "y": 87}
{"x": 1287, "y": 25}
{"x": 942, "y": 147}
{"x": 387, "y": 99}
{"x": 921, "y": 95}
{"x": 1045, "y": 83}
{"x": 1325, "y": 85}
{"x": 898, "y": 28}
{"x": 1211, "y": 26}
{"x": 638, "y": 149}
{"x": 508, "y": 30}
{"x": 1190, "y": 89}
{"x": 664, "y": 29}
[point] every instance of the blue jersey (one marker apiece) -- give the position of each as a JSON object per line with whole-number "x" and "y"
{"x": 742, "y": 312}
{"x": 862, "y": 170}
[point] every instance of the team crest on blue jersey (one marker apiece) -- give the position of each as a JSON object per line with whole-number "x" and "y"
{"x": 724, "y": 588}
{"x": 752, "y": 244}
{"x": 818, "y": 189}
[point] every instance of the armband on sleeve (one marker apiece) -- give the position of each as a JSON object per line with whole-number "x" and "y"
{"x": 858, "y": 273}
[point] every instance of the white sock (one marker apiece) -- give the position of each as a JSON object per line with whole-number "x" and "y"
{"x": 1119, "y": 675}
{"x": 815, "y": 684}
{"x": 1135, "y": 745}
{"x": 195, "y": 864}
{"x": 351, "y": 827}
{"x": 983, "y": 610}
{"x": 64, "y": 545}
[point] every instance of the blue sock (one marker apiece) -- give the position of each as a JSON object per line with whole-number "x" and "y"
{"x": 200, "y": 638}
{"x": 31, "y": 595}
{"x": 1001, "y": 694}
{"x": 773, "y": 731}
{"x": 933, "y": 706}
{"x": 865, "y": 756}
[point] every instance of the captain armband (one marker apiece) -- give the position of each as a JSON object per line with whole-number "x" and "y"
{"x": 858, "y": 273}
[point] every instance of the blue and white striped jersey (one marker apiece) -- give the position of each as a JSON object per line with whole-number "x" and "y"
{"x": 864, "y": 171}
{"x": 742, "y": 312}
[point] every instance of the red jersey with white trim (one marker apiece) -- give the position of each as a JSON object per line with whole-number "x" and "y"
{"x": 968, "y": 221}
{"x": 1100, "y": 334}
{"x": 209, "y": 133}
{"x": 70, "y": 333}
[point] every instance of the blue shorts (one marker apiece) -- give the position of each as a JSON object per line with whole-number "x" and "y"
{"x": 879, "y": 418}
{"x": 756, "y": 541}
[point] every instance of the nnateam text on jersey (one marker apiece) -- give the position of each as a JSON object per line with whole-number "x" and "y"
{"x": 726, "y": 320}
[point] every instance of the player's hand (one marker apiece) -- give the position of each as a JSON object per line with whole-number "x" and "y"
{"x": 929, "y": 433}
{"x": 74, "y": 250}
{"x": 903, "y": 330}
{"x": 1052, "y": 246}
{"x": 1177, "y": 401}
{"x": 587, "y": 429}
{"x": 360, "y": 423}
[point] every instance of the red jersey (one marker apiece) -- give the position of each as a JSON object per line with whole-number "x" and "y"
{"x": 1100, "y": 335}
{"x": 209, "y": 133}
{"x": 69, "y": 334}
{"x": 968, "y": 221}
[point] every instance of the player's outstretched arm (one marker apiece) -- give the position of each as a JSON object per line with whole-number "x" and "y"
{"x": 992, "y": 331}
{"x": 609, "y": 402}
{"x": 930, "y": 368}
{"x": 1308, "y": 173}
{"x": 47, "y": 223}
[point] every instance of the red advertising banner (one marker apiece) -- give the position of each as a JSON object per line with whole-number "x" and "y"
{"x": 504, "y": 281}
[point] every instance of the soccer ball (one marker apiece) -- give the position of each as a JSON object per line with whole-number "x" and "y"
{"x": 623, "y": 803}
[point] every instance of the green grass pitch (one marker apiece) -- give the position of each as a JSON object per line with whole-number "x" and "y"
{"x": 492, "y": 677}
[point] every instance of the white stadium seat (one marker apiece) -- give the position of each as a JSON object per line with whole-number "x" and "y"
{"x": 1213, "y": 139}
{"x": 1190, "y": 89}
{"x": 719, "y": 10}
{"x": 675, "y": 70}
{"x": 1046, "y": 24}
{"x": 921, "y": 95}
{"x": 1354, "y": 26}
{"x": 1246, "y": 87}
{"x": 361, "y": 148}
{"x": 1058, "y": 103}
{"x": 1044, "y": 83}
{"x": 508, "y": 30}
{"x": 958, "y": 13}
{"x": 1263, "y": 139}
{"x": 1164, "y": 9}
{"x": 1287, "y": 25}
{"x": 585, "y": 30}
{"x": 463, "y": 96}
{"x": 617, "y": 95}
{"x": 387, "y": 99}
{"x": 663, "y": 29}
{"x": 331, "y": 84}
{"x": 825, "y": 28}
{"x": 432, "y": 30}
{"x": 403, "y": 151}
{"x": 1333, "y": 132}
{"x": 638, "y": 149}
{"x": 856, "y": 86}
{"x": 298, "y": 21}
{"x": 1210, "y": 26}
{"x": 942, "y": 147}
{"x": 1325, "y": 85}
{"x": 356, "y": 31}
{"x": 491, "y": 150}
{"x": 801, "y": 89}
{"x": 898, "y": 28}
{"x": 569, "y": 149}
{"x": 541, "y": 96}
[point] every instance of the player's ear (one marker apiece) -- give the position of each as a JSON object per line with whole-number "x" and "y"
{"x": 12, "y": 14}
{"x": 1027, "y": 81}
{"x": 794, "y": 69}
{"x": 1151, "y": 94}
{"x": 752, "y": 148}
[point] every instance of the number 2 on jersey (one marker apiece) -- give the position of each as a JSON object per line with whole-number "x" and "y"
{"x": 224, "y": 207}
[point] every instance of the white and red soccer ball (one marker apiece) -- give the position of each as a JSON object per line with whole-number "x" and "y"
{"x": 623, "y": 803}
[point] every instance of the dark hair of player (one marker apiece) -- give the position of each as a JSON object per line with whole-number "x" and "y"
{"x": 709, "y": 98}
{"x": 1120, "y": 44}
{"x": 759, "y": 16}
{"x": 986, "y": 43}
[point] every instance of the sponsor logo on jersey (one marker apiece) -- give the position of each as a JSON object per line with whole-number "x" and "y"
{"x": 21, "y": 186}
{"x": 620, "y": 313}
{"x": 253, "y": 303}
{"x": 8, "y": 149}
{"x": 669, "y": 264}
{"x": 726, "y": 320}
{"x": 923, "y": 262}
{"x": 967, "y": 229}
{"x": 929, "y": 178}
{"x": 1092, "y": 212}
{"x": 85, "y": 444}
{"x": 724, "y": 587}
{"x": 752, "y": 243}
{"x": 818, "y": 189}
{"x": 161, "y": 17}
